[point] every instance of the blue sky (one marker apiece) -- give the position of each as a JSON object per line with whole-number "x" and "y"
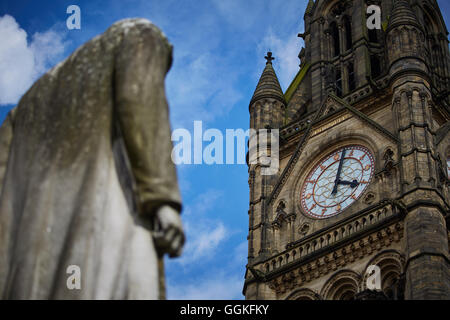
{"x": 219, "y": 47}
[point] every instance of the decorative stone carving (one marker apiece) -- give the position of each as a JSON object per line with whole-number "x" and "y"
{"x": 303, "y": 294}
{"x": 304, "y": 229}
{"x": 369, "y": 198}
{"x": 388, "y": 158}
{"x": 343, "y": 285}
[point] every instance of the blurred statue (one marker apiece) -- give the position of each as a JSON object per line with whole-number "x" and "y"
{"x": 86, "y": 177}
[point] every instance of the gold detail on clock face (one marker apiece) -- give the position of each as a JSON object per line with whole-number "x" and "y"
{"x": 337, "y": 181}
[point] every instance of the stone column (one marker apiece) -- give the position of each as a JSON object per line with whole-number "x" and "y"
{"x": 427, "y": 265}
{"x": 427, "y": 260}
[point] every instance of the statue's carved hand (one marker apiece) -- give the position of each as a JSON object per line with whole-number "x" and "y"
{"x": 170, "y": 237}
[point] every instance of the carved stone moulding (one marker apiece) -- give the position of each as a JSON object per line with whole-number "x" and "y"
{"x": 339, "y": 258}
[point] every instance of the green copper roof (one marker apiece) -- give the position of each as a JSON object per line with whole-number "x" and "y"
{"x": 296, "y": 82}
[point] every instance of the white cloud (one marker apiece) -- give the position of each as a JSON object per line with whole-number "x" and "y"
{"x": 206, "y": 239}
{"x": 221, "y": 282}
{"x": 214, "y": 287}
{"x": 204, "y": 234}
{"x": 47, "y": 48}
{"x": 204, "y": 202}
{"x": 203, "y": 239}
{"x": 21, "y": 63}
{"x": 203, "y": 87}
{"x": 285, "y": 51}
{"x": 16, "y": 61}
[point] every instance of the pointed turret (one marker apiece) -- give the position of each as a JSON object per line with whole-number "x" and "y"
{"x": 267, "y": 111}
{"x": 268, "y": 85}
{"x": 268, "y": 105}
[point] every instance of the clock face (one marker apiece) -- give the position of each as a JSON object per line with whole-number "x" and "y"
{"x": 337, "y": 181}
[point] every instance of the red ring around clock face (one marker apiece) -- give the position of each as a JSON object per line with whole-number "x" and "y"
{"x": 327, "y": 191}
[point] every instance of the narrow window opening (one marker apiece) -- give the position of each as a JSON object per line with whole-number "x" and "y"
{"x": 348, "y": 33}
{"x": 338, "y": 83}
{"x": 375, "y": 66}
{"x": 335, "y": 39}
{"x": 373, "y": 36}
{"x": 351, "y": 77}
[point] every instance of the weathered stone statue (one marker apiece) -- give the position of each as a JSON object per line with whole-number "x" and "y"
{"x": 86, "y": 177}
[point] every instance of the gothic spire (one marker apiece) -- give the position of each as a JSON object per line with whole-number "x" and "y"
{"x": 268, "y": 85}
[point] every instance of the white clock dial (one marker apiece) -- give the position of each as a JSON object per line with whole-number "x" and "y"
{"x": 337, "y": 181}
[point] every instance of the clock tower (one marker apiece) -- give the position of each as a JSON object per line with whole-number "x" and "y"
{"x": 364, "y": 154}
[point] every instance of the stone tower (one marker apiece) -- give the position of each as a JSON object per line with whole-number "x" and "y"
{"x": 364, "y": 159}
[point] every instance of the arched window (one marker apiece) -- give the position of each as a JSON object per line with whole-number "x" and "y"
{"x": 428, "y": 25}
{"x": 375, "y": 66}
{"x": 303, "y": 294}
{"x": 430, "y": 20}
{"x": 341, "y": 286}
{"x": 348, "y": 33}
{"x": 347, "y": 295}
{"x": 391, "y": 270}
{"x": 437, "y": 52}
{"x": 438, "y": 57}
{"x": 334, "y": 31}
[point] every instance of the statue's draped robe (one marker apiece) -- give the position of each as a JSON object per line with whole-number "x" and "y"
{"x": 85, "y": 160}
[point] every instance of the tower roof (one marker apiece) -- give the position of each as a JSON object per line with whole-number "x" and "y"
{"x": 309, "y": 7}
{"x": 402, "y": 14}
{"x": 268, "y": 85}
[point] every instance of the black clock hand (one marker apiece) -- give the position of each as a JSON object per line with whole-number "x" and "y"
{"x": 338, "y": 175}
{"x": 352, "y": 184}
